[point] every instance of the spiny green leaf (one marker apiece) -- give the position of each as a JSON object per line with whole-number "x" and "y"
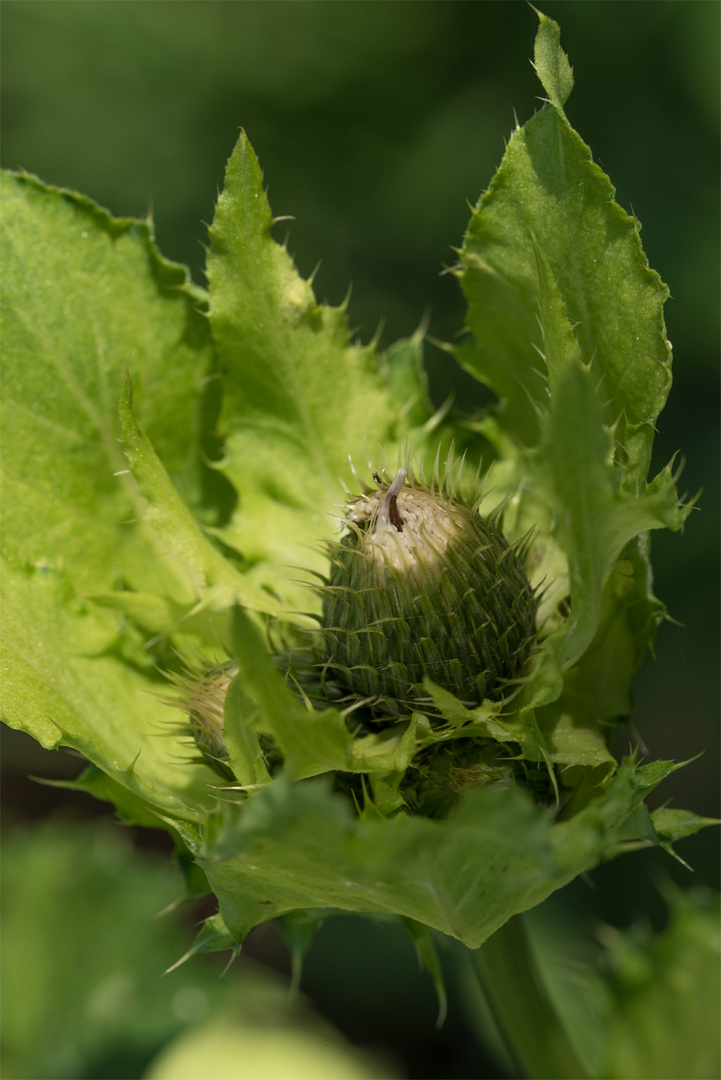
{"x": 551, "y": 62}
{"x": 388, "y": 750}
{"x": 401, "y": 365}
{"x": 245, "y": 756}
{"x": 298, "y": 397}
{"x": 70, "y": 679}
{"x": 214, "y": 578}
{"x": 84, "y": 295}
{"x": 296, "y": 846}
{"x": 131, "y": 809}
{"x": 213, "y": 936}
{"x": 672, "y": 825}
{"x": 594, "y": 518}
{"x": 560, "y": 348}
{"x": 550, "y": 207}
{"x": 312, "y": 742}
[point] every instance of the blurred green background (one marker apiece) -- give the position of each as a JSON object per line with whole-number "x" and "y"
{"x": 376, "y": 123}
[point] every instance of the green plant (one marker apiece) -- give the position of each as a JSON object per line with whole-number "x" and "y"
{"x": 82, "y": 957}
{"x": 169, "y": 529}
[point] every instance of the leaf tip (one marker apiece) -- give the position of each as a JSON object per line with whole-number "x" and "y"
{"x": 551, "y": 63}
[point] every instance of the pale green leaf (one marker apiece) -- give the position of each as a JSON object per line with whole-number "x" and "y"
{"x": 84, "y": 296}
{"x": 389, "y": 750}
{"x": 299, "y": 398}
{"x": 214, "y": 578}
{"x": 245, "y": 756}
{"x": 560, "y": 348}
{"x": 72, "y": 677}
{"x": 312, "y": 742}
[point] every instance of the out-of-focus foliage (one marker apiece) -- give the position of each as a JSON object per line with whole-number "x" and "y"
{"x": 664, "y": 995}
{"x": 637, "y": 1004}
{"x": 83, "y": 991}
{"x": 226, "y": 1050}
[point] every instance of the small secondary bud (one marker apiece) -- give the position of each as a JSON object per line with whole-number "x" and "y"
{"x": 201, "y": 695}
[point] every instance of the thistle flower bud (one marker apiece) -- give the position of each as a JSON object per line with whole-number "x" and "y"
{"x": 200, "y": 693}
{"x": 422, "y": 586}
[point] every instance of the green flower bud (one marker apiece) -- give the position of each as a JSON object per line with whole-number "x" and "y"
{"x": 441, "y": 773}
{"x": 422, "y": 586}
{"x": 201, "y": 691}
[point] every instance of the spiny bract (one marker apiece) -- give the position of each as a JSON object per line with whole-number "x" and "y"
{"x": 422, "y": 586}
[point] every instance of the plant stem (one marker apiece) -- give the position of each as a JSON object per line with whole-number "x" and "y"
{"x": 524, "y": 1013}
